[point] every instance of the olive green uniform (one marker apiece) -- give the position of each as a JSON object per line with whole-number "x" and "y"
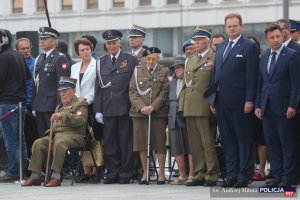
{"x": 69, "y": 132}
{"x": 195, "y": 108}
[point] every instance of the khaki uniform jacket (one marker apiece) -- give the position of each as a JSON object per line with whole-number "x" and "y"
{"x": 74, "y": 118}
{"x": 199, "y": 71}
{"x": 159, "y": 83}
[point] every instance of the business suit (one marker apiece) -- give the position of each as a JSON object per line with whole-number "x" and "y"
{"x": 296, "y": 46}
{"x": 113, "y": 102}
{"x": 275, "y": 93}
{"x": 236, "y": 76}
{"x": 85, "y": 89}
{"x": 198, "y": 75}
{"x": 47, "y": 73}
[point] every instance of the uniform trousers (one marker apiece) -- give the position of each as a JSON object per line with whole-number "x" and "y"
{"x": 117, "y": 144}
{"x": 61, "y": 143}
{"x": 43, "y": 122}
{"x": 202, "y": 147}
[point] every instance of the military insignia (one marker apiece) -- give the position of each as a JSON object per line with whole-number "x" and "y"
{"x": 209, "y": 63}
{"x": 64, "y": 66}
{"x": 79, "y": 113}
{"x": 141, "y": 83}
{"x": 123, "y": 64}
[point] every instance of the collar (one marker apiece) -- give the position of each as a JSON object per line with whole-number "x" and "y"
{"x": 153, "y": 68}
{"x": 116, "y": 56}
{"x": 235, "y": 40}
{"x": 287, "y": 42}
{"x": 204, "y": 53}
{"x": 277, "y": 51}
{"x": 48, "y": 52}
{"x": 136, "y": 52}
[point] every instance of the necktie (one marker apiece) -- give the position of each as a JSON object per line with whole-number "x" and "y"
{"x": 228, "y": 49}
{"x": 44, "y": 55}
{"x": 113, "y": 60}
{"x": 272, "y": 63}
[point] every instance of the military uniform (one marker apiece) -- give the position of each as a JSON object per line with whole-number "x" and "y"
{"x": 47, "y": 73}
{"x": 159, "y": 83}
{"x": 112, "y": 100}
{"x": 198, "y": 75}
{"x": 69, "y": 132}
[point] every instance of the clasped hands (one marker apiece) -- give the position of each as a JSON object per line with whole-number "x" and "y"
{"x": 147, "y": 110}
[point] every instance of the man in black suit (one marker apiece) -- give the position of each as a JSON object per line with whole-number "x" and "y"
{"x": 288, "y": 42}
{"x": 277, "y": 96}
{"x": 236, "y": 66}
{"x": 112, "y": 104}
{"x": 49, "y": 67}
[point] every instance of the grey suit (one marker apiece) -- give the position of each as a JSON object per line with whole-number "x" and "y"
{"x": 113, "y": 102}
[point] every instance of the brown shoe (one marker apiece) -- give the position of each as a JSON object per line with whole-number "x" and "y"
{"x": 53, "y": 183}
{"x": 32, "y": 182}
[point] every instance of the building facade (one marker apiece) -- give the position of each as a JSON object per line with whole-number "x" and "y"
{"x": 168, "y": 22}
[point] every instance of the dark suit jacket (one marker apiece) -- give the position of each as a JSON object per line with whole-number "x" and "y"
{"x": 281, "y": 89}
{"x": 45, "y": 96}
{"x": 237, "y": 74}
{"x": 294, "y": 45}
{"x": 114, "y": 100}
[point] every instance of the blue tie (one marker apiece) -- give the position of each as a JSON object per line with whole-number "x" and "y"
{"x": 272, "y": 64}
{"x": 228, "y": 49}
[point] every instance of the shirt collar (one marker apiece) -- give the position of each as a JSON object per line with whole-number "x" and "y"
{"x": 117, "y": 55}
{"x": 48, "y": 52}
{"x": 277, "y": 51}
{"x": 204, "y": 53}
{"x": 136, "y": 52}
{"x": 235, "y": 40}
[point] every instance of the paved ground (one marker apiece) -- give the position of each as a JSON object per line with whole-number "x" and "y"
{"x": 13, "y": 191}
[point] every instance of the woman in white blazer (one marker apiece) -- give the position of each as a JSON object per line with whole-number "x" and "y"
{"x": 85, "y": 73}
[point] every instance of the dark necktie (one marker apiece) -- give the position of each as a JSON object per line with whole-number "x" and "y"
{"x": 44, "y": 56}
{"x": 229, "y": 47}
{"x": 113, "y": 60}
{"x": 272, "y": 63}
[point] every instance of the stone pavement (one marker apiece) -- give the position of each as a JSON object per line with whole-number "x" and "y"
{"x": 13, "y": 191}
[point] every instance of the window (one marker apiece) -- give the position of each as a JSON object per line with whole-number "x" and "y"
{"x": 66, "y": 5}
{"x": 40, "y": 5}
{"x": 92, "y": 4}
{"x": 118, "y": 3}
{"x": 145, "y": 2}
{"x": 17, "y": 6}
{"x": 172, "y": 1}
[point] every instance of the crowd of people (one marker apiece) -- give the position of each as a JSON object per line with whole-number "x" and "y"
{"x": 224, "y": 89}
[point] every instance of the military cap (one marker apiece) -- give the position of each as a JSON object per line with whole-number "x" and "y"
{"x": 151, "y": 50}
{"x": 48, "y": 32}
{"x": 202, "y": 32}
{"x": 178, "y": 61}
{"x": 294, "y": 25}
{"x": 111, "y": 35}
{"x": 66, "y": 83}
{"x": 187, "y": 43}
{"x": 137, "y": 31}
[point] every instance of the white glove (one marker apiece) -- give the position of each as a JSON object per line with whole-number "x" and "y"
{"x": 34, "y": 113}
{"x": 99, "y": 118}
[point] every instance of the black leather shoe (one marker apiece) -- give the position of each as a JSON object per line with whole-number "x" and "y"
{"x": 240, "y": 184}
{"x": 285, "y": 183}
{"x": 272, "y": 183}
{"x": 209, "y": 183}
{"x": 228, "y": 183}
{"x": 195, "y": 182}
{"x": 110, "y": 181}
{"x": 124, "y": 181}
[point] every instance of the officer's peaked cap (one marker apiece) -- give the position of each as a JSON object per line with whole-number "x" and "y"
{"x": 66, "y": 83}
{"x": 111, "y": 35}
{"x": 137, "y": 31}
{"x": 48, "y": 32}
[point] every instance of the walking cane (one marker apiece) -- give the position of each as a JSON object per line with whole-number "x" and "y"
{"x": 149, "y": 134}
{"x": 49, "y": 153}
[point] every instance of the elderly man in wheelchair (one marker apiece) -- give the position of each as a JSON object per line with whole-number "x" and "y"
{"x": 68, "y": 130}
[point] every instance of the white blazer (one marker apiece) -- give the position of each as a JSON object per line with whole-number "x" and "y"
{"x": 87, "y": 86}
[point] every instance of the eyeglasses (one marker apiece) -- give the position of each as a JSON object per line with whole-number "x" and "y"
{"x": 153, "y": 59}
